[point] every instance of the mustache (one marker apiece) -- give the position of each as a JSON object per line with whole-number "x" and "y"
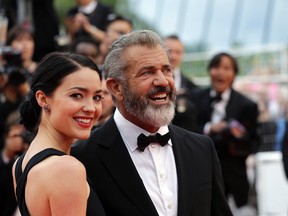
{"x": 160, "y": 89}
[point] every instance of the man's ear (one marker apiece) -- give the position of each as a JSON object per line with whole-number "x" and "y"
{"x": 115, "y": 88}
{"x": 41, "y": 98}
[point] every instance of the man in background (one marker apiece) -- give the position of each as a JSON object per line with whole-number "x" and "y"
{"x": 185, "y": 112}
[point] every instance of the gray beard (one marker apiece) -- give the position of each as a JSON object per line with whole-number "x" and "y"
{"x": 140, "y": 107}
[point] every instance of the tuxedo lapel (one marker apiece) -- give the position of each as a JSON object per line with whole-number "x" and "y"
{"x": 184, "y": 164}
{"x": 119, "y": 164}
{"x": 206, "y": 106}
{"x": 232, "y": 105}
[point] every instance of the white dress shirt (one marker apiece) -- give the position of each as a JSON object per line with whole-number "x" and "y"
{"x": 88, "y": 9}
{"x": 155, "y": 165}
{"x": 177, "y": 78}
{"x": 219, "y": 109}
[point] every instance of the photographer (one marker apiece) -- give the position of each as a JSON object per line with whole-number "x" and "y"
{"x": 13, "y": 92}
{"x": 21, "y": 43}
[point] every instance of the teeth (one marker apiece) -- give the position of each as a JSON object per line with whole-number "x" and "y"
{"x": 85, "y": 121}
{"x": 160, "y": 96}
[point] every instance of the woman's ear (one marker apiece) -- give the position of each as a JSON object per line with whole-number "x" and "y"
{"x": 115, "y": 88}
{"x": 41, "y": 98}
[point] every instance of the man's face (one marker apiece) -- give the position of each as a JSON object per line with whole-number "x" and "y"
{"x": 117, "y": 29}
{"x": 222, "y": 76}
{"x": 149, "y": 95}
{"x": 176, "y": 51}
{"x": 87, "y": 49}
{"x": 83, "y": 2}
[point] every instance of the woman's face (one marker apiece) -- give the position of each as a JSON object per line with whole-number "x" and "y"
{"x": 25, "y": 44}
{"x": 76, "y": 104}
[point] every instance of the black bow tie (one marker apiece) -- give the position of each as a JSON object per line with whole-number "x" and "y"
{"x": 143, "y": 141}
{"x": 216, "y": 99}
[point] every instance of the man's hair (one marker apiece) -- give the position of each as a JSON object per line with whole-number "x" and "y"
{"x": 115, "y": 64}
{"x": 216, "y": 60}
{"x": 113, "y": 18}
{"x": 173, "y": 37}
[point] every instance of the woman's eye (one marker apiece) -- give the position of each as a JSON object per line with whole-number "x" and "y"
{"x": 76, "y": 95}
{"x": 97, "y": 97}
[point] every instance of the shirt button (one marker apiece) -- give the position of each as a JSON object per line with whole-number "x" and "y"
{"x": 153, "y": 145}
{"x": 169, "y": 206}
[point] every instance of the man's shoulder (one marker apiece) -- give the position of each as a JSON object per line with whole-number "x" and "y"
{"x": 245, "y": 99}
{"x": 104, "y": 7}
{"x": 188, "y": 135}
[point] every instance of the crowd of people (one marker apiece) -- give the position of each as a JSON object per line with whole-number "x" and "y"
{"x": 109, "y": 125}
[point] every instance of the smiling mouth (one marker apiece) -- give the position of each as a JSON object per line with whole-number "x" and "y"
{"x": 159, "y": 97}
{"x": 83, "y": 120}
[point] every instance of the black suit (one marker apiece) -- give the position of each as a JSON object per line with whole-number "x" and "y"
{"x": 284, "y": 150}
{"x": 232, "y": 151}
{"x": 121, "y": 190}
{"x": 185, "y": 110}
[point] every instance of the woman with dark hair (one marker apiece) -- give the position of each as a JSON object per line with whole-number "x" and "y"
{"x": 63, "y": 105}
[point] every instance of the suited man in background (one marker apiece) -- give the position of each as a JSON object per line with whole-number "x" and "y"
{"x": 185, "y": 112}
{"x": 230, "y": 119}
{"x": 181, "y": 176}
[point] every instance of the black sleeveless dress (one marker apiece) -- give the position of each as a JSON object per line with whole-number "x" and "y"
{"x": 94, "y": 206}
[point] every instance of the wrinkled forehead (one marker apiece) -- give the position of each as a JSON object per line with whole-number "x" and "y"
{"x": 146, "y": 56}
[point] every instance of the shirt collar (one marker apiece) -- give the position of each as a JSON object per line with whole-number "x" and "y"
{"x": 88, "y": 9}
{"x": 225, "y": 95}
{"x": 130, "y": 131}
{"x": 177, "y": 78}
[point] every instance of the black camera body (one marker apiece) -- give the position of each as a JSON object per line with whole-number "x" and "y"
{"x": 10, "y": 57}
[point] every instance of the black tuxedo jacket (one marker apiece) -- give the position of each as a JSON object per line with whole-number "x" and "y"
{"x": 232, "y": 151}
{"x": 238, "y": 108}
{"x": 121, "y": 190}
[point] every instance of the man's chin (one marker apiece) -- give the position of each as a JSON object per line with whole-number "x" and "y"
{"x": 159, "y": 116}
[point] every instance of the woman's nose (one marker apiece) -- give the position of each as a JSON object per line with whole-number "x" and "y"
{"x": 89, "y": 106}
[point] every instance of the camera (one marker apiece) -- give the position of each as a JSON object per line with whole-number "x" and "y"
{"x": 10, "y": 57}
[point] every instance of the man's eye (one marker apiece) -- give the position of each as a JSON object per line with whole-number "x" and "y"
{"x": 148, "y": 72}
{"x": 167, "y": 70}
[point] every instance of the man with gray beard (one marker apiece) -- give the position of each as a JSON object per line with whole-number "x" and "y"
{"x": 139, "y": 163}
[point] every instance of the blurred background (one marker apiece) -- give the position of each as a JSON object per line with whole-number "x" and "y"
{"x": 255, "y": 32}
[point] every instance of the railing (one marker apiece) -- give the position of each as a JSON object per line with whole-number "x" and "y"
{"x": 255, "y": 63}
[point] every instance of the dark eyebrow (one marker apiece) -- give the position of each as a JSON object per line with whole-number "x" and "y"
{"x": 148, "y": 68}
{"x": 166, "y": 66}
{"x": 85, "y": 90}
{"x": 153, "y": 67}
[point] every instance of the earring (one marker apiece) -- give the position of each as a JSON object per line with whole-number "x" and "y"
{"x": 46, "y": 108}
